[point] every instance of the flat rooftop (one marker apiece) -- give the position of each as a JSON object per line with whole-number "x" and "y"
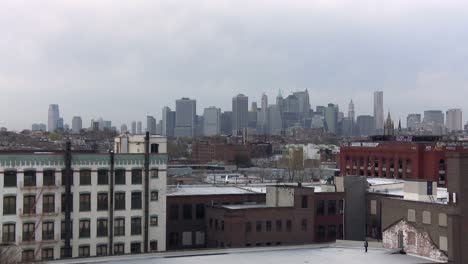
{"x": 209, "y": 190}
{"x": 313, "y": 254}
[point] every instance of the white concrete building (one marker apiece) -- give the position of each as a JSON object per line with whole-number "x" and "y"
{"x": 121, "y": 214}
{"x": 454, "y": 120}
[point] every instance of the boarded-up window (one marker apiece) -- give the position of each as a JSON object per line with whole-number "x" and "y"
{"x": 199, "y": 238}
{"x": 443, "y": 243}
{"x": 373, "y": 207}
{"x": 187, "y": 238}
{"x": 426, "y": 217}
{"x": 442, "y": 219}
{"x": 411, "y": 215}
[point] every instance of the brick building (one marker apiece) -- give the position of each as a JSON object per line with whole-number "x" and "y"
{"x": 400, "y": 157}
{"x": 291, "y": 215}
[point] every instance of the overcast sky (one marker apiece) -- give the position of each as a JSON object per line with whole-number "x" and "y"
{"x": 122, "y": 60}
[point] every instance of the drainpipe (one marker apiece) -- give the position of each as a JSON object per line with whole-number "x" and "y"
{"x": 111, "y": 203}
{"x": 68, "y": 200}
{"x": 146, "y": 186}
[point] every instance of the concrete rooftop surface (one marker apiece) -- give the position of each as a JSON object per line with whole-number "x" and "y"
{"x": 313, "y": 254}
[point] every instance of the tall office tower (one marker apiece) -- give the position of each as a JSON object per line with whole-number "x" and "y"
{"x": 211, "y": 121}
{"x": 331, "y": 118}
{"x": 291, "y": 104}
{"x": 159, "y": 126}
{"x": 123, "y": 128}
{"x": 198, "y": 130}
{"x": 134, "y": 128}
{"x": 275, "y": 122}
{"x": 60, "y": 124}
{"x": 264, "y": 102}
{"x": 347, "y": 127}
{"x": 454, "y": 120}
{"x": 226, "y": 123}
{"x": 168, "y": 122}
{"x": 262, "y": 116}
{"x": 413, "y": 121}
{"x": 253, "y": 107}
{"x": 77, "y": 124}
{"x": 378, "y": 111}
{"x": 240, "y": 113}
{"x": 320, "y": 110}
{"x": 139, "y": 128}
{"x": 151, "y": 125}
{"x": 185, "y": 117}
{"x": 304, "y": 102}
{"x": 106, "y": 125}
{"x": 433, "y": 117}
{"x": 53, "y": 117}
{"x": 351, "y": 110}
{"x": 365, "y": 125}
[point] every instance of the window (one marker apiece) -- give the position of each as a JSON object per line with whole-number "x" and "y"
{"x": 119, "y": 177}
{"x": 135, "y": 226}
{"x": 47, "y": 254}
{"x": 258, "y": 226}
{"x": 320, "y": 207}
{"x": 27, "y": 255}
{"x": 331, "y": 232}
{"x": 136, "y": 176}
{"x": 187, "y": 211}
{"x": 288, "y": 225}
{"x": 103, "y": 177}
{"x": 119, "y": 249}
{"x": 70, "y": 204}
{"x": 222, "y": 225}
{"x": 331, "y": 207}
{"x": 48, "y": 178}
{"x": 101, "y": 250}
{"x": 85, "y": 227}
{"x": 119, "y": 227}
{"x": 9, "y": 179}
{"x": 101, "y": 227}
{"x": 304, "y": 201}
{"x": 120, "y": 201}
{"x": 28, "y": 232}
{"x": 135, "y": 247}
{"x": 48, "y": 203}
{"x": 426, "y": 217}
{"x": 154, "y": 173}
{"x": 8, "y": 233}
{"x": 268, "y": 226}
{"x": 341, "y": 206}
{"x": 153, "y": 245}
{"x": 174, "y": 212}
{"x": 64, "y": 178}
{"x": 154, "y": 220}
{"x": 64, "y": 231}
{"x": 83, "y": 251}
{"x": 30, "y": 178}
{"x": 154, "y": 148}
{"x": 85, "y": 177}
{"x": 29, "y": 204}
{"x": 320, "y": 233}
{"x": 279, "y": 226}
{"x": 154, "y": 195}
{"x": 304, "y": 225}
{"x": 102, "y": 202}
{"x": 9, "y": 205}
{"x": 340, "y": 232}
{"x": 248, "y": 227}
{"x": 136, "y": 200}
{"x": 48, "y": 231}
{"x": 85, "y": 202}
{"x": 200, "y": 211}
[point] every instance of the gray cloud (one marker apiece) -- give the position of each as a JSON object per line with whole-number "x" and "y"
{"x": 124, "y": 59}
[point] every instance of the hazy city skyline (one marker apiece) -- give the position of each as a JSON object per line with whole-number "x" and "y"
{"x": 125, "y": 60}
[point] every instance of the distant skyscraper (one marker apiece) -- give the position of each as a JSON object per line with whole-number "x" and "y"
{"x": 226, "y": 123}
{"x": 123, "y": 128}
{"x": 151, "y": 125}
{"x": 389, "y": 127}
{"x": 365, "y": 124}
{"x": 53, "y": 117}
{"x": 351, "y": 110}
{"x": 331, "y": 118}
{"x": 134, "y": 127}
{"x": 275, "y": 122}
{"x": 434, "y": 117}
{"x": 378, "y": 111}
{"x": 262, "y": 116}
{"x": 77, "y": 124}
{"x": 454, "y": 120}
{"x": 264, "y": 102}
{"x": 186, "y": 117}
{"x": 413, "y": 121}
{"x": 168, "y": 122}
{"x": 304, "y": 103}
{"x": 211, "y": 121}
{"x": 60, "y": 124}
{"x": 240, "y": 113}
{"x": 38, "y": 127}
{"x": 139, "y": 128}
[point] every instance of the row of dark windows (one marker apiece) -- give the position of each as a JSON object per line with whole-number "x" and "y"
{"x": 28, "y": 255}
{"x": 10, "y": 177}
{"x": 328, "y": 232}
{"x": 328, "y": 207}
{"x": 48, "y": 202}
{"x": 187, "y": 211}
{"x": 29, "y": 229}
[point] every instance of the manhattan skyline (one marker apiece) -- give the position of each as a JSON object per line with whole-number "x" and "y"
{"x": 211, "y": 51}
